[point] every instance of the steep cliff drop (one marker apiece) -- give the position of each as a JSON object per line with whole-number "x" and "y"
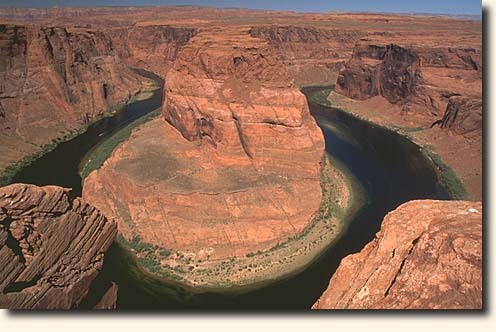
{"x": 234, "y": 169}
{"x": 312, "y": 55}
{"x": 427, "y": 255}
{"x": 53, "y": 82}
{"x": 51, "y": 248}
{"x": 429, "y": 90}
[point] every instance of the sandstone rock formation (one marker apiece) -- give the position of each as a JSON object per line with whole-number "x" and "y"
{"x": 408, "y": 74}
{"x": 427, "y": 255}
{"x": 312, "y": 55}
{"x": 235, "y": 169}
{"x": 150, "y": 47}
{"x": 463, "y": 115}
{"x": 51, "y": 247}
{"x": 54, "y": 80}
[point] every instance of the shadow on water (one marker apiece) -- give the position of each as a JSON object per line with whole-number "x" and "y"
{"x": 61, "y": 165}
{"x": 390, "y": 168}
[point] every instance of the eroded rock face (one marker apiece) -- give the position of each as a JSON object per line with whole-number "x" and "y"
{"x": 51, "y": 247}
{"x": 463, "y": 116}
{"x": 390, "y": 71}
{"x": 54, "y": 80}
{"x": 151, "y": 47}
{"x": 234, "y": 167}
{"x": 312, "y": 55}
{"x": 427, "y": 255}
{"x": 421, "y": 78}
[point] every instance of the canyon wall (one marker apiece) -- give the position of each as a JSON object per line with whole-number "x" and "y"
{"x": 242, "y": 152}
{"x": 427, "y": 255}
{"x": 418, "y": 78}
{"x": 53, "y": 81}
{"x": 153, "y": 48}
{"x": 51, "y": 248}
{"x": 312, "y": 55}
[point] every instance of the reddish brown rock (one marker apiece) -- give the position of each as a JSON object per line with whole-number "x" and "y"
{"x": 53, "y": 81}
{"x": 150, "y": 47}
{"x": 51, "y": 247}
{"x": 463, "y": 116}
{"x": 235, "y": 169}
{"x": 420, "y": 77}
{"x": 312, "y": 55}
{"x": 427, "y": 255}
{"x": 109, "y": 299}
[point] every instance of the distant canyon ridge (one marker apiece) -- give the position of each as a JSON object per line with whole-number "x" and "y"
{"x": 234, "y": 164}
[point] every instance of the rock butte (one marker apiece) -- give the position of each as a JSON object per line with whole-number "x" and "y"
{"x": 235, "y": 168}
{"x": 427, "y": 255}
{"x": 51, "y": 248}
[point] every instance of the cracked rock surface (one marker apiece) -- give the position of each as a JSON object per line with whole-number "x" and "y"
{"x": 427, "y": 255}
{"x": 51, "y": 247}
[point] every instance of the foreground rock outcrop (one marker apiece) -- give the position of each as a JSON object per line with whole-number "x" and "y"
{"x": 427, "y": 255}
{"x": 51, "y": 248}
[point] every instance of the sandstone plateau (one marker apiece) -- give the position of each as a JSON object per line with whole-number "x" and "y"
{"x": 51, "y": 248}
{"x": 427, "y": 255}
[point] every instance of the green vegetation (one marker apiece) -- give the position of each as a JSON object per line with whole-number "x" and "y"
{"x": 105, "y": 149}
{"x": 447, "y": 176}
{"x": 320, "y": 97}
{"x": 148, "y": 255}
{"x": 11, "y": 170}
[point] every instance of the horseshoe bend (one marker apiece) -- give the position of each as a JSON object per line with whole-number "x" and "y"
{"x": 233, "y": 167}
{"x": 194, "y": 157}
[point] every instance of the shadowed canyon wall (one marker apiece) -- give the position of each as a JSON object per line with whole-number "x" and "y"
{"x": 53, "y": 81}
{"x": 312, "y": 55}
{"x": 420, "y": 79}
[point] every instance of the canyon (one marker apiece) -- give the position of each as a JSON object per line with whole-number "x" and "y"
{"x": 234, "y": 170}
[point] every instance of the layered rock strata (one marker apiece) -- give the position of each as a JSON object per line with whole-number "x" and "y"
{"x": 233, "y": 168}
{"x": 153, "y": 48}
{"x": 312, "y": 55}
{"x": 427, "y": 255}
{"x": 53, "y": 81}
{"x": 51, "y": 247}
{"x": 420, "y": 79}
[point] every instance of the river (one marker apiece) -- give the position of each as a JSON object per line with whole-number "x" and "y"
{"x": 390, "y": 168}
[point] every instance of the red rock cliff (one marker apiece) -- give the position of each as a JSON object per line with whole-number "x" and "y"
{"x": 150, "y": 47}
{"x": 427, "y": 255}
{"x": 420, "y": 78}
{"x": 312, "y": 55}
{"x": 54, "y": 80}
